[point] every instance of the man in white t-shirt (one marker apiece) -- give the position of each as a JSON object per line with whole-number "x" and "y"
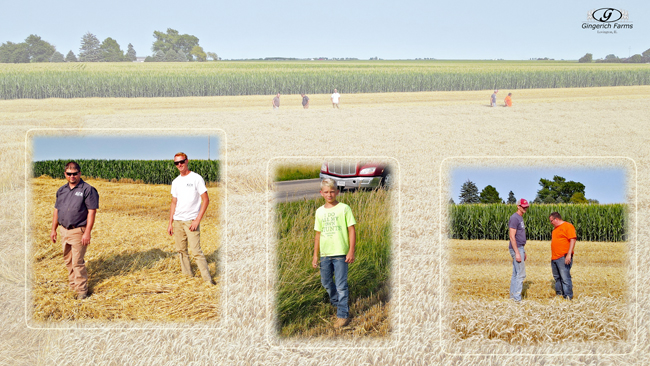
{"x": 335, "y": 99}
{"x": 189, "y": 203}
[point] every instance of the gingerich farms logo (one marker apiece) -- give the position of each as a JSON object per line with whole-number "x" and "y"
{"x": 607, "y": 20}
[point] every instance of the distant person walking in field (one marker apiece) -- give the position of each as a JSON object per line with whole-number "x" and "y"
{"x": 517, "y": 234}
{"x": 305, "y": 101}
{"x": 563, "y": 240}
{"x": 276, "y": 101}
{"x": 335, "y": 99}
{"x": 508, "y": 100}
{"x": 334, "y": 243}
{"x": 75, "y": 208}
{"x": 189, "y": 203}
{"x": 493, "y": 98}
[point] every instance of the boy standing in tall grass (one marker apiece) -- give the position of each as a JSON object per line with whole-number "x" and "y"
{"x": 334, "y": 243}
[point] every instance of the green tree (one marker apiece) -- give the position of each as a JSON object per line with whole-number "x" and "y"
{"x": 558, "y": 187}
{"x": 14, "y": 53}
{"x": 213, "y": 56}
{"x": 111, "y": 51}
{"x": 646, "y": 53}
{"x": 511, "y": 198}
{"x": 171, "y": 56}
{"x": 70, "y": 57}
{"x": 57, "y": 57}
{"x": 635, "y": 59}
{"x": 159, "y": 56}
{"x": 469, "y": 193}
{"x": 130, "y": 53}
{"x": 586, "y": 58}
{"x": 39, "y": 50}
{"x": 173, "y": 40}
{"x": 89, "y": 50}
{"x": 197, "y": 51}
{"x": 578, "y": 197}
{"x": 490, "y": 194}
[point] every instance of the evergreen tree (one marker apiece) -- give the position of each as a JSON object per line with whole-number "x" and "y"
{"x": 490, "y": 194}
{"x": 159, "y": 56}
{"x": 70, "y": 57}
{"x": 130, "y": 53}
{"x": 469, "y": 193}
{"x": 511, "y": 198}
{"x": 89, "y": 50}
{"x": 171, "y": 56}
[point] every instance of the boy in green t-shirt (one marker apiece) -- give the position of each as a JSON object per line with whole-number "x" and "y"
{"x": 335, "y": 241}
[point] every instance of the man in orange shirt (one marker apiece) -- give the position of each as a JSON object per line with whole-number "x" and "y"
{"x": 563, "y": 240}
{"x": 509, "y": 100}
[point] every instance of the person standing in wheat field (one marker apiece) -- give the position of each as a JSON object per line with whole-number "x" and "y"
{"x": 189, "y": 203}
{"x": 517, "y": 234}
{"x": 75, "y": 208}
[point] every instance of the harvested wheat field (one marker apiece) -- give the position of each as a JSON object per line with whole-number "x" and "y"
{"x": 133, "y": 270}
{"x": 432, "y": 320}
{"x": 480, "y": 280}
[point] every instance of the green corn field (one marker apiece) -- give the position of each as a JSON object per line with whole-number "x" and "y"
{"x": 146, "y": 171}
{"x": 607, "y": 223}
{"x": 129, "y": 80}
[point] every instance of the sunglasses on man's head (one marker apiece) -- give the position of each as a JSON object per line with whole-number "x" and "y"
{"x": 71, "y": 174}
{"x": 180, "y": 162}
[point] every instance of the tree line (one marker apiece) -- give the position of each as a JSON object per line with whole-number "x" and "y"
{"x": 169, "y": 46}
{"x": 611, "y": 58}
{"x": 557, "y": 190}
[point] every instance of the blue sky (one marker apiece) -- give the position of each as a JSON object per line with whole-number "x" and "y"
{"x": 474, "y": 29}
{"x": 607, "y": 185}
{"x": 123, "y": 147}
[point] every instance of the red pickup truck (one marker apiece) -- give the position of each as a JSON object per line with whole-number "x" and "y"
{"x": 357, "y": 175}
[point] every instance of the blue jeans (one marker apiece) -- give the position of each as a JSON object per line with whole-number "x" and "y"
{"x": 337, "y": 287}
{"x": 562, "y": 275}
{"x": 518, "y": 274}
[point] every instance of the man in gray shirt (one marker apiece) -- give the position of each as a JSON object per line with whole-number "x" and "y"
{"x": 75, "y": 208}
{"x": 517, "y": 234}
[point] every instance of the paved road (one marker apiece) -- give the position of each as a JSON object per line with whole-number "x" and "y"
{"x": 295, "y": 190}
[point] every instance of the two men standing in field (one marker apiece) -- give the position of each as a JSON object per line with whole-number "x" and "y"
{"x": 75, "y": 208}
{"x": 563, "y": 240}
{"x": 189, "y": 203}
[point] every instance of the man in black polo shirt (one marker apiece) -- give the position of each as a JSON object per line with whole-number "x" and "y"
{"x": 75, "y": 208}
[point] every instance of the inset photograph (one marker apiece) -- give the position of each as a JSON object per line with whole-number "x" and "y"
{"x": 539, "y": 254}
{"x": 125, "y": 228}
{"x": 333, "y": 222}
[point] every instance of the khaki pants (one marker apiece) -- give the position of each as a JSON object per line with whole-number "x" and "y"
{"x": 184, "y": 238}
{"x": 73, "y": 256}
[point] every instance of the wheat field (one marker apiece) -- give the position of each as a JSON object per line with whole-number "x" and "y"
{"x": 133, "y": 270}
{"x": 421, "y": 131}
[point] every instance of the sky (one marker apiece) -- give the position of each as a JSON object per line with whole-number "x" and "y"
{"x": 123, "y": 148}
{"x": 607, "y": 185}
{"x": 470, "y": 29}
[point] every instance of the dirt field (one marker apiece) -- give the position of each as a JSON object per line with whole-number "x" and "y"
{"x": 423, "y": 132}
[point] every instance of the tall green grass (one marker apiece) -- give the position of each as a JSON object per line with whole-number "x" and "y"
{"x": 301, "y": 300}
{"x": 293, "y": 172}
{"x": 147, "y": 171}
{"x": 490, "y": 221}
{"x": 129, "y": 80}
